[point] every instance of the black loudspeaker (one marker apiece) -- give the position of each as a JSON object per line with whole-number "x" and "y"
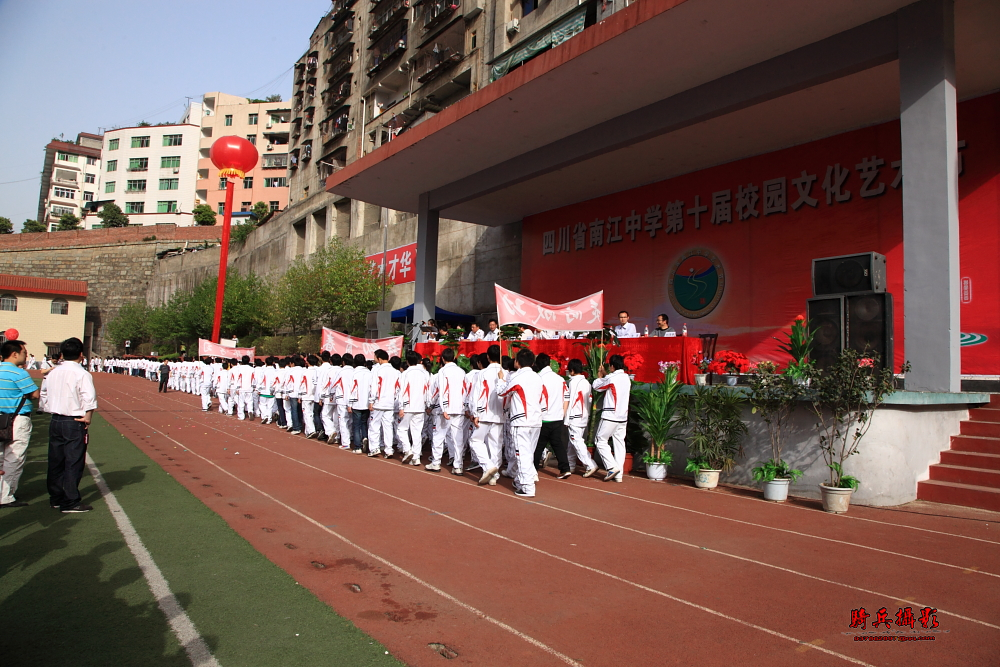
{"x": 868, "y": 324}
{"x": 826, "y": 318}
{"x": 864, "y": 272}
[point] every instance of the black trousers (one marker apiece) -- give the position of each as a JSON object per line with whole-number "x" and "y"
{"x": 553, "y": 435}
{"x": 163, "y": 383}
{"x": 67, "y": 458}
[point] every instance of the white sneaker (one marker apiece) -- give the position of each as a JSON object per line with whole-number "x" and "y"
{"x": 536, "y": 477}
{"x": 619, "y": 479}
{"x": 415, "y": 461}
{"x": 294, "y": 432}
{"x": 433, "y": 467}
{"x": 506, "y": 474}
{"x": 488, "y": 476}
{"x": 545, "y": 458}
{"x": 494, "y": 479}
{"x": 456, "y": 471}
{"x": 406, "y": 457}
{"x": 373, "y": 453}
{"x": 590, "y": 471}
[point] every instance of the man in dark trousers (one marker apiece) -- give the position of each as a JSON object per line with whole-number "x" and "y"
{"x": 164, "y": 376}
{"x": 68, "y": 395}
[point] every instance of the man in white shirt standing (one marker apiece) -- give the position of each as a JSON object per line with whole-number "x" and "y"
{"x": 412, "y": 387}
{"x": 342, "y": 394}
{"x": 523, "y": 391}
{"x": 625, "y": 329}
{"x": 382, "y": 395}
{"x": 614, "y": 415}
{"x": 487, "y": 411}
{"x": 577, "y": 416}
{"x": 555, "y": 401}
{"x": 68, "y": 394}
{"x": 358, "y": 402}
{"x": 451, "y": 380}
{"x": 329, "y": 371}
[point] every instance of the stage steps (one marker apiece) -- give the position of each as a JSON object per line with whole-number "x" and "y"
{"x": 969, "y": 472}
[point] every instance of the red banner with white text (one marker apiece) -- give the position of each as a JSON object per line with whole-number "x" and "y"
{"x": 586, "y": 314}
{"x": 207, "y": 348}
{"x": 400, "y": 263}
{"x": 335, "y": 342}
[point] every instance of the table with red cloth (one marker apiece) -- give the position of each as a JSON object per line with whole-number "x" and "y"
{"x": 642, "y": 355}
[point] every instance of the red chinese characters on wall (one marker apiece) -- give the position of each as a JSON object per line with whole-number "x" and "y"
{"x": 400, "y": 263}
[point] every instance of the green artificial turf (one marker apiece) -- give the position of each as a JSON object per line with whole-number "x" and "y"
{"x": 71, "y": 594}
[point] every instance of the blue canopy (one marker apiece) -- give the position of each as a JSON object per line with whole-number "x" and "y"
{"x": 440, "y": 315}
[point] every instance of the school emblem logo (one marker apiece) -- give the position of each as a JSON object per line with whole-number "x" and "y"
{"x": 696, "y": 283}
{"x": 968, "y": 339}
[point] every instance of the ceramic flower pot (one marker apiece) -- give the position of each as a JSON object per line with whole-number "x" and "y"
{"x": 835, "y": 499}
{"x": 699, "y": 379}
{"x": 706, "y": 479}
{"x": 627, "y": 468}
{"x": 777, "y": 490}
{"x": 731, "y": 380}
{"x": 657, "y": 471}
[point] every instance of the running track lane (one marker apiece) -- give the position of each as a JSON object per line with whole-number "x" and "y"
{"x": 581, "y": 573}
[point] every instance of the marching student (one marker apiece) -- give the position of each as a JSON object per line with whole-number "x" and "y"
{"x": 278, "y": 389}
{"x": 205, "y": 383}
{"x": 358, "y": 402}
{"x": 487, "y": 416}
{"x": 577, "y": 416}
{"x": 555, "y": 401}
{"x": 331, "y": 369}
{"x": 307, "y": 393}
{"x": 471, "y": 378}
{"x": 259, "y": 385}
{"x": 436, "y": 426}
{"x": 523, "y": 391}
{"x": 510, "y": 455}
{"x": 243, "y": 386}
{"x": 269, "y": 379}
{"x": 451, "y": 380}
{"x": 293, "y": 387}
{"x": 382, "y": 397}
{"x": 222, "y": 379}
{"x": 412, "y": 389}
{"x": 342, "y": 396}
{"x": 614, "y": 415}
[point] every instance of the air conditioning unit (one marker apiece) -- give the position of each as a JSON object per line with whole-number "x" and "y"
{"x": 513, "y": 27}
{"x": 270, "y": 147}
{"x": 177, "y": 171}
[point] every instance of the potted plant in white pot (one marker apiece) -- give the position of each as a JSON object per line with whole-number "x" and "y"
{"x": 798, "y": 344}
{"x": 773, "y": 397}
{"x": 844, "y": 398}
{"x": 716, "y": 434}
{"x": 655, "y": 407}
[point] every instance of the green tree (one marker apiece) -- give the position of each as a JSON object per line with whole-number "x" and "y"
{"x": 131, "y": 323}
{"x": 261, "y": 213}
{"x": 204, "y": 215}
{"x": 111, "y": 216}
{"x": 33, "y": 227}
{"x": 5, "y": 226}
{"x": 273, "y": 98}
{"x": 248, "y": 310}
{"x": 143, "y": 124}
{"x": 68, "y": 222}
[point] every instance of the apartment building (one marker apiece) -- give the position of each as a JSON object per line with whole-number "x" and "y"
{"x": 70, "y": 176}
{"x": 266, "y": 125}
{"x": 150, "y": 173}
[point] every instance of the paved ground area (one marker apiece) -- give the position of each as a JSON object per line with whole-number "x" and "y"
{"x": 588, "y": 573}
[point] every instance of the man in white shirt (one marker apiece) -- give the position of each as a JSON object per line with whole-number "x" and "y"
{"x": 614, "y": 415}
{"x": 205, "y": 383}
{"x": 526, "y": 333}
{"x": 475, "y": 333}
{"x": 451, "y": 380}
{"x": 487, "y": 417}
{"x": 382, "y": 396}
{"x": 523, "y": 392}
{"x": 625, "y": 329}
{"x": 555, "y": 401}
{"x": 307, "y": 396}
{"x": 342, "y": 393}
{"x": 328, "y": 373}
{"x": 268, "y": 387}
{"x": 68, "y": 394}
{"x": 577, "y": 416}
{"x": 494, "y": 331}
{"x": 358, "y": 402}
{"x": 412, "y": 388}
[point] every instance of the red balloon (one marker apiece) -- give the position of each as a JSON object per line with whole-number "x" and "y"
{"x": 11, "y": 334}
{"x": 234, "y": 156}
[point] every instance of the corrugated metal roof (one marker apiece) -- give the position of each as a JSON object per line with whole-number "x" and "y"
{"x": 43, "y": 285}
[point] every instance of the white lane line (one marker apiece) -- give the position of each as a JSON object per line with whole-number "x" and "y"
{"x": 193, "y": 643}
{"x": 480, "y": 614}
{"x": 679, "y": 542}
{"x": 504, "y": 538}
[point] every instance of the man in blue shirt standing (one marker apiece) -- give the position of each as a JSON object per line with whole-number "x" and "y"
{"x": 15, "y": 384}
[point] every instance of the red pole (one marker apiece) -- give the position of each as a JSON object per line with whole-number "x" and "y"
{"x": 220, "y": 289}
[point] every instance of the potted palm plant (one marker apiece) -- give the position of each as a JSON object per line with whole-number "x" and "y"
{"x": 655, "y": 407}
{"x": 798, "y": 345}
{"x": 716, "y": 433}
{"x": 773, "y": 397}
{"x": 844, "y": 399}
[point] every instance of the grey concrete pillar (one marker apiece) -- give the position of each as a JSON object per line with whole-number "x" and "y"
{"x": 425, "y": 287}
{"x": 930, "y": 194}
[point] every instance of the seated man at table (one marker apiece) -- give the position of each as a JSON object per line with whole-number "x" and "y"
{"x": 475, "y": 333}
{"x": 625, "y": 329}
{"x": 494, "y": 333}
{"x": 663, "y": 328}
{"x": 526, "y": 333}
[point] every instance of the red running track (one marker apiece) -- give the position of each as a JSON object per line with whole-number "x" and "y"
{"x": 586, "y": 573}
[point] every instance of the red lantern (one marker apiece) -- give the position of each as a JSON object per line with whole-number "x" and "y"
{"x": 234, "y": 156}
{"x": 11, "y": 334}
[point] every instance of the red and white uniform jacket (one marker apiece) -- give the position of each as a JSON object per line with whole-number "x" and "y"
{"x": 483, "y": 398}
{"x": 616, "y": 388}
{"x": 471, "y": 379}
{"x": 331, "y": 374}
{"x": 384, "y": 387}
{"x": 522, "y": 393}
{"x": 432, "y": 395}
{"x": 413, "y": 388}
{"x": 341, "y": 387}
{"x": 451, "y": 384}
{"x": 579, "y": 401}
{"x": 360, "y": 388}
{"x": 554, "y": 394}
{"x": 243, "y": 377}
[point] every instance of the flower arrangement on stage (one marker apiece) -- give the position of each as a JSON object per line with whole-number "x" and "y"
{"x": 665, "y": 366}
{"x": 634, "y": 361}
{"x": 728, "y": 361}
{"x": 701, "y": 361}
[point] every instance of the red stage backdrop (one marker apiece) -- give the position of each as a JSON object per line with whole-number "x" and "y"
{"x": 728, "y": 249}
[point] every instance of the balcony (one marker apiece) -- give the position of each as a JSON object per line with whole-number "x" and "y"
{"x": 339, "y": 65}
{"x": 388, "y": 47}
{"x": 384, "y": 15}
{"x": 339, "y": 9}
{"x": 63, "y": 179}
{"x": 135, "y": 191}
{"x": 340, "y": 37}
{"x": 275, "y": 161}
{"x": 432, "y": 63}
{"x": 335, "y": 95}
{"x": 277, "y": 129}
{"x": 203, "y": 184}
{"x": 435, "y": 12}
{"x": 134, "y": 169}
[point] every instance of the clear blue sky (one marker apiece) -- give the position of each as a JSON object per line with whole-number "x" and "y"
{"x": 69, "y": 66}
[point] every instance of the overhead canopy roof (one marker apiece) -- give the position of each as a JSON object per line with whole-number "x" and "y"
{"x": 660, "y": 89}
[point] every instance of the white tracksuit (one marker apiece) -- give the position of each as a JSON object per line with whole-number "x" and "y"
{"x": 523, "y": 393}
{"x": 329, "y": 376}
{"x": 383, "y": 394}
{"x": 412, "y": 388}
{"x": 307, "y": 396}
{"x": 487, "y": 406}
{"x": 342, "y": 395}
{"x": 243, "y": 390}
{"x": 576, "y": 422}
{"x": 451, "y": 383}
{"x": 614, "y": 416}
